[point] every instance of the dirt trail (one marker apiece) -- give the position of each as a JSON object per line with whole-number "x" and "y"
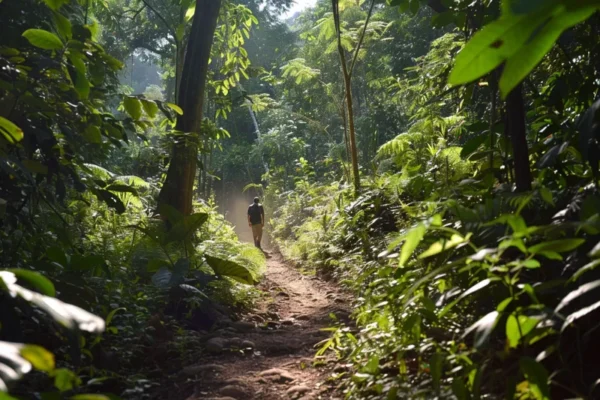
{"x": 270, "y": 353}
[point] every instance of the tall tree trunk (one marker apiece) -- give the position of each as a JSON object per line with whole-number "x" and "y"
{"x": 179, "y": 62}
{"x": 515, "y": 108}
{"x": 178, "y": 189}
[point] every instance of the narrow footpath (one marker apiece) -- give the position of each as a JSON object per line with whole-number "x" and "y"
{"x": 270, "y": 353}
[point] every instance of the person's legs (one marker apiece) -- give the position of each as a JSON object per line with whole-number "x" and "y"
{"x": 257, "y": 234}
{"x": 259, "y": 238}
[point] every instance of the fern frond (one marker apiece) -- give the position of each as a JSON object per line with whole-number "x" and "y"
{"x": 134, "y": 181}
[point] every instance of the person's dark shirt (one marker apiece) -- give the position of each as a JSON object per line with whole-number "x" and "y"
{"x": 256, "y": 212}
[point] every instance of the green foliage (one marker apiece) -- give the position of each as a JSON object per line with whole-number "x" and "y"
{"x": 521, "y": 38}
{"x": 43, "y": 39}
{"x": 463, "y": 288}
{"x": 82, "y": 158}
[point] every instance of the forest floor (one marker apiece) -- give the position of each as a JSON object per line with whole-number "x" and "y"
{"x": 270, "y": 353}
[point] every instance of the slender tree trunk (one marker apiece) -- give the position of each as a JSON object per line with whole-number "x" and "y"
{"x": 352, "y": 133}
{"x": 204, "y": 167}
{"x": 209, "y": 178}
{"x": 178, "y": 189}
{"x": 515, "y": 108}
{"x": 346, "y": 143}
{"x": 348, "y": 88}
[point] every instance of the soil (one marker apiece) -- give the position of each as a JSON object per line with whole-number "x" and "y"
{"x": 270, "y": 353}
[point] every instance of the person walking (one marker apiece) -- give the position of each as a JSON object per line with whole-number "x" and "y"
{"x": 256, "y": 220}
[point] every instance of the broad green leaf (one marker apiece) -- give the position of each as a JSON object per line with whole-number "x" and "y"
{"x": 175, "y": 108}
{"x": 517, "y": 224}
{"x": 40, "y": 358}
{"x": 170, "y": 213}
{"x": 76, "y": 59}
{"x": 583, "y": 289}
{"x": 89, "y": 397}
{"x": 372, "y": 365}
{"x": 413, "y": 238}
{"x": 231, "y": 269}
{"x": 473, "y": 144}
{"x": 517, "y": 328}
{"x": 531, "y": 263}
{"x": 35, "y": 280}
{"x": 493, "y": 44}
{"x": 556, "y": 246}
{"x": 185, "y": 228}
{"x": 504, "y": 303}
{"x": 521, "y": 63}
{"x": 43, "y": 39}
{"x": 150, "y": 107}
{"x": 10, "y": 131}
{"x": 82, "y": 86}
{"x": 81, "y": 83}
{"x": 551, "y": 255}
{"x": 444, "y": 244}
{"x": 546, "y": 195}
{"x": 537, "y": 376}
{"x": 189, "y": 14}
{"x": 65, "y": 379}
{"x": 63, "y": 25}
{"x": 133, "y": 106}
{"x": 92, "y": 134}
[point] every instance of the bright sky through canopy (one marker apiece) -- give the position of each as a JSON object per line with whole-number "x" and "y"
{"x": 299, "y": 5}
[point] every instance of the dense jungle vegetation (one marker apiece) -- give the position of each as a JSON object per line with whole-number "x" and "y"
{"x": 439, "y": 159}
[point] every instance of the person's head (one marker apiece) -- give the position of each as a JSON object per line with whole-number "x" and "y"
{"x": 256, "y": 200}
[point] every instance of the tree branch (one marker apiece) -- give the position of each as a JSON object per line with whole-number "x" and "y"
{"x": 362, "y": 37}
{"x": 164, "y": 21}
